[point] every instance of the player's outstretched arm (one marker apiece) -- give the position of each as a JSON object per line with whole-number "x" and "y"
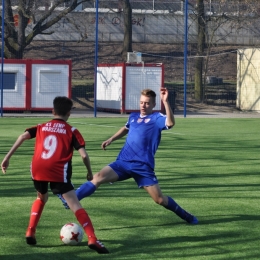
{"x": 119, "y": 134}
{"x": 170, "y": 116}
{"x": 16, "y": 145}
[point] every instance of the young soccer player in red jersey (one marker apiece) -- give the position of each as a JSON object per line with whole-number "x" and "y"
{"x": 52, "y": 163}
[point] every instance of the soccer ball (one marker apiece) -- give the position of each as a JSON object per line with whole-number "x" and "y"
{"x": 71, "y": 234}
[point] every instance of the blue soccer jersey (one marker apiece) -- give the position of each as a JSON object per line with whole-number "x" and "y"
{"x": 143, "y": 138}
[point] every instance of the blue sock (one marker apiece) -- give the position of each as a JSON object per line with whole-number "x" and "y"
{"x": 173, "y": 206}
{"x": 85, "y": 190}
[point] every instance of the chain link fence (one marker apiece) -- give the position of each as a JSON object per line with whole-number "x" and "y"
{"x": 157, "y": 33}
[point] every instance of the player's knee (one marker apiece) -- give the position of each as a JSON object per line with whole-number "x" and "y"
{"x": 97, "y": 179}
{"x": 42, "y": 197}
{"x": 104, "y": 176}
{"x": 159, "y": 201}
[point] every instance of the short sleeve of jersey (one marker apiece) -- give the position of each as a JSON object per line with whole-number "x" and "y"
{"x": 32, "y": 131}
{"x": 127, "y": 125}
{"x": 161, "y": 121}
{"x": 77, "y": 139}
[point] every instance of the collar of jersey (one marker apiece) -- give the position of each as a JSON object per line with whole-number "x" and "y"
{"x": 60, "y": 119}
{"x": 143, "y": 116}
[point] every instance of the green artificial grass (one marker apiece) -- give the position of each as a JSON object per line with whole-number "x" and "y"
{"x": 209, "y": 166}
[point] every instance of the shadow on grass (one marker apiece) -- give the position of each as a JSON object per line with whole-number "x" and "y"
{"x": 204, "y": 221}
{"x": 82, "y": 244}
{"x": 138, "y": 247}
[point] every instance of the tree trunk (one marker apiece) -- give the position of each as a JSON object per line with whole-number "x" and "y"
{"x": 16, "y": 23}
{"x": 200, "y": 52}
{"x": 127, "y": 44}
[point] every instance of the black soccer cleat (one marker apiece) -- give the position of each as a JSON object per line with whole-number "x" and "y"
{"x": 31, "y": 241}
{"x": 30, "y": 236}
{"x": 97, "y": 246}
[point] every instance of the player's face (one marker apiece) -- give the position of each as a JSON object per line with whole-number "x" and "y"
{"x": 146, "y": 105}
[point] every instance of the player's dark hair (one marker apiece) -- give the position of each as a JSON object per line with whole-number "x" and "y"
{"x": 148, "y": 93}
{"x": 62, "y": 105}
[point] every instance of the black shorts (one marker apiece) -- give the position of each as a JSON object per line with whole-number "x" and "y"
{"x": 56, "y": 187}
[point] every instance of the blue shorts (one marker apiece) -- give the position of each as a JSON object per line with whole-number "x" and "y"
{"x": 140, "y": 172}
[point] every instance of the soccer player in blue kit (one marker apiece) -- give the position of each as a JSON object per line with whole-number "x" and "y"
{"x": 136, "y": 158}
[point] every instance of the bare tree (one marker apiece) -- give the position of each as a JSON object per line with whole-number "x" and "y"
{"x": 210, "y": 16}
{"x": 18, "y": 14}
{"x": 200, "y": 50}
{"x": 127, "y": 43}
{"x": 124, "y": 6}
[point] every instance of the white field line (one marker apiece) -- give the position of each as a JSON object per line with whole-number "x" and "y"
{"x": 80, "y": 123}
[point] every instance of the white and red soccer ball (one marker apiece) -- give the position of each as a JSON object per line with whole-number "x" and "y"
{"x": 71, "y": 234}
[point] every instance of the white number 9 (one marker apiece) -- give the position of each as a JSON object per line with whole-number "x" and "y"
{"x": 50, "y": 145}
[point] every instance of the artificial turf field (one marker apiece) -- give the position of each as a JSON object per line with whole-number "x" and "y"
{"x": 210, "y": 166}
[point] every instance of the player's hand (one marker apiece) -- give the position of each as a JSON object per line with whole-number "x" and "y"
{"x": 106, "y": 143}
{"x": 164, "y": 94}
{"x": 89, "y": 176}
{"x": 4, "y": 165}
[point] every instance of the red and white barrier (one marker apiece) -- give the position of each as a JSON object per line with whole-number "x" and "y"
{"x": 31, "y": 85}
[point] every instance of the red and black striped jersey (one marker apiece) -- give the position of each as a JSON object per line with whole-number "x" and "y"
{"x": 54, "y": 145}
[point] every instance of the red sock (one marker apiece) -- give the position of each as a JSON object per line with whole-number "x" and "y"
{"x": 36, "y": 212}
{"x": 85, "y": 222}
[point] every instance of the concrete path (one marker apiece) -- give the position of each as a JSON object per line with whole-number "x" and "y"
{"x": 200, "y": 113}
